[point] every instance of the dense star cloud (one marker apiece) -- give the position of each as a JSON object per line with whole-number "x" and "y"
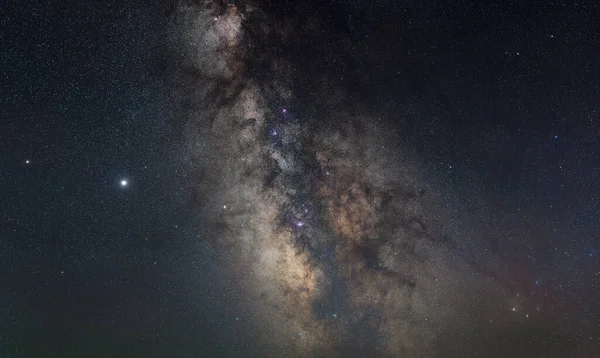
{"x": 328, "y": 224}
{"x": 299, "y": 179}
{"x": 323, "y": 237}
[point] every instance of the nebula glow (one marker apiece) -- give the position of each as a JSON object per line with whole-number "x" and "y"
{"x": 322, "y": 220}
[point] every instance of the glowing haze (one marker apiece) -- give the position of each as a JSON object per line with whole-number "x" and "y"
{"x": 323, "y": 220}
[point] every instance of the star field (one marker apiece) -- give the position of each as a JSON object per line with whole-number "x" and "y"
{"x": 277, "y": 178}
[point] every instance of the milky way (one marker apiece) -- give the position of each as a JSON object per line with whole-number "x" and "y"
{"x": 327, "y": 225}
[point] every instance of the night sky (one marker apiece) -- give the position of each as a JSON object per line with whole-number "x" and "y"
{"x": 299, "y": 178}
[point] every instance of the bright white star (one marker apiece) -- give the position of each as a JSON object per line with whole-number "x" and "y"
{"x": 124, "y": 183}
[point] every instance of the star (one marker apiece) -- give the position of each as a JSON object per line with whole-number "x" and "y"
{"x": 27, "y": 161}
{"x": 124, "y": 183}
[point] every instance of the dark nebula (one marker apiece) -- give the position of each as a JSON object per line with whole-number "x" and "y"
{"x": 331, "y": 225}
{"x": 274, "y": 178}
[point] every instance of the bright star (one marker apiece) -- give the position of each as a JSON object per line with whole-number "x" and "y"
{"x": 27, "y": 161}
{"x": 124, "y": 183}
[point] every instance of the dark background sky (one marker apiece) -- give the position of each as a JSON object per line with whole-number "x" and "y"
{"x": 500, "y": 101}
{"x": 89, "y": 268}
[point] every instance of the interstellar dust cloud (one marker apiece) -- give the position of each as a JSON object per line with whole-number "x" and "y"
{"x": 321, "y": 220}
